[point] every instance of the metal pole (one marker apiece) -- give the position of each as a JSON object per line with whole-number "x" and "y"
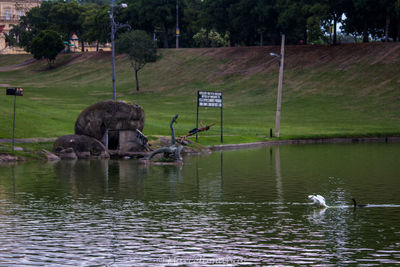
{"x": 13, "y": 178}
{"x": 222, "y": 170}
{"x": 112, "y": 49}
{"x": 106, "y": 141}
{"x": 222, "y": 138}
{"x": 13, "y": 140}
{"x": 279, "y": 98}
{"x": 177, "y": 26}
{"x": 197, "y": 119}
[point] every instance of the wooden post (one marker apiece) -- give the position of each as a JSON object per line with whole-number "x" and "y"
{"x": 279, "y": 98}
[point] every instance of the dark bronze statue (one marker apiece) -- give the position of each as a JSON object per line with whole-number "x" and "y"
{"x": 174, "y": 150}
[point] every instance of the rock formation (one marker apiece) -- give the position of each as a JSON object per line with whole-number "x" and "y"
{"x": 79, "y": 146}
{"x": 109, "y": 114}
{"x": 107, "y": 126}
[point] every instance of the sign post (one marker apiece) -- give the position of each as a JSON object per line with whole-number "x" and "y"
{"x": 209, "y": 99}
{"x": 15, "y": 92}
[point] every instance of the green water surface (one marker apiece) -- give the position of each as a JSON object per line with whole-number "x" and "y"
{"x": 244, "y": 207}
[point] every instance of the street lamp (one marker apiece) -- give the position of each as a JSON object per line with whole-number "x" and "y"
{"x": 177, "y": 31}
{"x": 275, "y": 55}
{"x": 279, "y": 97}
{"x": 114, "y": 27}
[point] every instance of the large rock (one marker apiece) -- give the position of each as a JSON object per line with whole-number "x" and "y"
{"x": 81, "y": 145}
{"x": 7, "y": 158}
{"x": 112, "y": 115}
{"x": 49, "y": 156}
{"x": 67, "y": 153}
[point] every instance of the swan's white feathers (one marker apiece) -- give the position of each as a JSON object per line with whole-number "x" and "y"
{"x": 318, "y": 200}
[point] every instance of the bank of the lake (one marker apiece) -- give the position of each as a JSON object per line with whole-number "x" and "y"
{"x": 33, "y": 149}
{"x": 339, "y": 91}
{"x": 344, "y": 140}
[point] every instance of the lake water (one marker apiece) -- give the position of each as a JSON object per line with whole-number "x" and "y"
{"x": 245, "y": 207}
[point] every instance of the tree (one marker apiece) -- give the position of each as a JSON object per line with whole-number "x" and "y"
{"x": 292, "y": 19}
{"x": 140, "y": 48}
{"x": 217, "y": 39}
{"x": 151, "y": 15}
{"x": 34, "y": 21}
{"x": 220, "y": 12}
{"x": 336, "y": 9}
{"x": 12, "y": 38}
{"x": 366, "y": 18}
{"x": 397, "y": 10}
{"x": 47, "y": 44}
{"x": 66, "y": 19}
{"x": 96, "y": 24}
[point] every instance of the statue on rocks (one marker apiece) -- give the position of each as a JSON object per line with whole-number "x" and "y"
{"x": 174, "y": 150}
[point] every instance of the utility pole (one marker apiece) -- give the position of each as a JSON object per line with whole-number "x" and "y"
{"x": 177, "y": 26}
{"x": 112, "y": 49}
{"x": 279, "y": 98}
{"x": 114, "y": 27}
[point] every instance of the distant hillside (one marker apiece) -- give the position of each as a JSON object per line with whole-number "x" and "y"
{"x": 345, "y": 90}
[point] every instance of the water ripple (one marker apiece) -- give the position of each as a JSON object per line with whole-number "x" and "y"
{"x": 148, "y": 233}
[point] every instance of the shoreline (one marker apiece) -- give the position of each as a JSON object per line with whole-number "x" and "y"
{"x": 333, "y": 140}
{"x": 6, "y": 157}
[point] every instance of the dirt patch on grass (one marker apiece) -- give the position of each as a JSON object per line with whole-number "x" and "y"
{"x": 90, "y": 55}
{"x": 19, "y": 65}
{"x": 251, "y": 60}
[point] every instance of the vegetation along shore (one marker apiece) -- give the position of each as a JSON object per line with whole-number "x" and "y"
{"x": 347, "y": 90}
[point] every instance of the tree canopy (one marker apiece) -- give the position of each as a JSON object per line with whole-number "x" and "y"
{"x": 244, "y": 22}
{"x": 46, "y": 44}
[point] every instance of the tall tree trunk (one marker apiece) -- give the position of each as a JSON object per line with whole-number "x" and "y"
{"x": 137, "y": 80}
{"x": 334, "y": 30}
{"x": 206, "y": 40}
{"x": 365, "y": 32}
{"x": 97, "y": 46}
{"x": 251, "y": 40}
{"x": 165, "y": 37}
{"x": 275, "y": 37}
{"x": 387, "y": 26}
{"x": 83, "y": 46}
{"x": 398, "y": 28}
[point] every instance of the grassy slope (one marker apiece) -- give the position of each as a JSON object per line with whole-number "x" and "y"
{"x": 348, "y": 90}
{"x": 7, "y": 60}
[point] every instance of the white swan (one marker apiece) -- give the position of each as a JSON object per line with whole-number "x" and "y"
{"x": 318, "y": 200}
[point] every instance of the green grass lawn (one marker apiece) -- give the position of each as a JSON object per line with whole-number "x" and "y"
{"x": 327, "y": 92}
{"x": 7, "y": 60}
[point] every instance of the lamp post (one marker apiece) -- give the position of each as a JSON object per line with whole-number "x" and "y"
{"x": 279, "y": 97}
{"x": 114, "y": 27}
{"x": 177, "y": 32}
